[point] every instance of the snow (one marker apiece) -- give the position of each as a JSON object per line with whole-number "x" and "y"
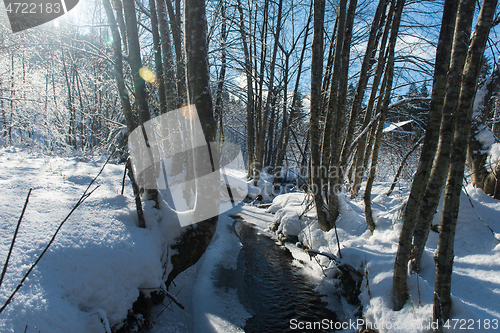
{"x": 218, "y": 309}
{"x": 396, "y": 127}
{"x": 477, "y": 258}
{"x": 92, "y": 273}
{"x": 489, "y": 146}
{"x": 479, "y": 100}
{"x": 493, "y": 156}
{"x": 100, "y": 260}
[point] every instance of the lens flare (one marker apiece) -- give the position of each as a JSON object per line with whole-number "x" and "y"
{"x": 108, "y": 41}
{"x": 188, "y": 111}
{"x": 148, "y": 75}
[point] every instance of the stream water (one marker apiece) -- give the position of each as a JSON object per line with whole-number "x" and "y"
{"x": 270, "y": 287}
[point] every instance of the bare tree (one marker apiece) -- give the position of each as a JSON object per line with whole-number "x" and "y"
{"x": 195, "y": 239}
{"x": 444, "y": 253}
{"x": 386, "y": 89}
{"x": 443, "y": 54}
{"x": 316, "y": 102}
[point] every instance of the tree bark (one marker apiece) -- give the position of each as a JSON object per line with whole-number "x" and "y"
{"x": 261, "y": 137}
{"x": 443, "y": 54}
{"x": 168, "y": 75}
{"x": 250, "y": 95}
{"x": 158, "y": 57}
{"x": 335, "y": 170}
{"x": 359, "y": 169}
{"x": 477, "y": 152}
{"x": 259, "y": 123}
{"x": 293, "y": 105}
{"x": 195, "y": 239}
{"x": 141, "y": 102}
{"x": 444, "y": 253}
{"x": 441, "y": 162}
{"x": 371, "y": 49}
{"x": 222, "y": 74}
{"x": 121, "y": 23}
{"x": 332, "y": 108}
{"x": 175, "y": 24}
{"x": 316, "y": 101}
{"x": 388, "y": 78}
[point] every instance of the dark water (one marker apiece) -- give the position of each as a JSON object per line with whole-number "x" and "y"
{"x": 271, "y": 290}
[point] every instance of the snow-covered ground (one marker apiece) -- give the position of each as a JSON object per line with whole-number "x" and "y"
{"x": 209, "y": 309}
{"x": 91, "y": 275}
{"x": 476, "y": 278}
{"x": 94, "y": 270}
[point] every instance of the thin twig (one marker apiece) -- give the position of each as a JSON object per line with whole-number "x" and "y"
{"x": 479, "y": 217}
{"x": 124, "y": 175}
{"x": 84, "y": 196}
{"x": 14, "y": 238}
{"x": 403, "y": 163}
{"x": 173, "y": 299}
{"x": 137, "y": 196}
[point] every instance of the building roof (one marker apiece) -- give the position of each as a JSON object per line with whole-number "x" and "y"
{"x": 397, "y": 127}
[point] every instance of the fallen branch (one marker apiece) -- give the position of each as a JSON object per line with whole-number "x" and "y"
{"x": 173, "y": 299}
{"x": 83, "y": 197}
{"x": 341, "y": 266}
{"x": 313, "y": 253}
{"x": 14, "y": 238}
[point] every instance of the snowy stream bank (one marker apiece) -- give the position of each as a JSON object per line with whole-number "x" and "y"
{"x": 245, "y": 282}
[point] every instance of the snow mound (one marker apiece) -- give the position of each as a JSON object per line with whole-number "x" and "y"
{"x": 476, "y": 263}
{"x": 288, "y": 210}
{"x": 493, "y": 156}
{"x": 91, "y": 275}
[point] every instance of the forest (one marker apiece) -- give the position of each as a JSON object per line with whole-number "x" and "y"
{"x": 368, "y": 130}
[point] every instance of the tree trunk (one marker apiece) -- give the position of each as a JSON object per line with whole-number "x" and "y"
{"x": 386, "y": 89}
{"x": 121, "y": 23}
{"x": 179, "y": 55}
{"x": 259, "y": 123}
{"x": 443, "y": 54}
{"x": 195, "y": 239}
{"x": 477, "y": 152}
{"x": 222, "y": 74}
{"x": 331, "y": 116}
{"x": 441, "y": 162}
{"x": 371, "y": 49}
{"x": 162, "y": 96}
{"x": 359, "y": 169}
{"x": 444, "y": 253}
{"x": 335, "y": 170}
{"x": 168, "y": 75}
{"x": 316, "y": 101}
{"x": 250, "y": 95}
{"x": 293, "y": 106}
{"x": 141, "y": 102}
{"x": 281, "y": 148}
{"x": 261, "y": 137}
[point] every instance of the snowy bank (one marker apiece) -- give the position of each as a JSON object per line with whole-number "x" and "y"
{"x": 476, "y": 278}
{"x": 92, "y": 273}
